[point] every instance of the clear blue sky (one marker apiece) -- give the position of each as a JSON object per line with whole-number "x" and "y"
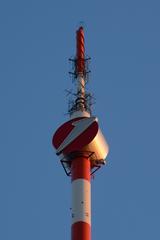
{"x": 123, "y": 40}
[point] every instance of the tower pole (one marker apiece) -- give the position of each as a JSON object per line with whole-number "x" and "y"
{"x": 81, "y": 198}
{"x": 80, "y": 165}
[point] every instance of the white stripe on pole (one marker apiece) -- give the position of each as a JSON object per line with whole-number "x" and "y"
{"x": 81, "y": 201}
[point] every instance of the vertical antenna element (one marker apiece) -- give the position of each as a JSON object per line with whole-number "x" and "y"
{"x": 80, "y": 55}
{"x": 82, "y": 102}
{"x": 80, "y": 70}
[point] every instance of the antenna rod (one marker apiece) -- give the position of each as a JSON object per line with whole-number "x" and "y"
{"x": 81, "y": 105}
{"x": 80, "y": 55}
{"x": 80, "y": 70}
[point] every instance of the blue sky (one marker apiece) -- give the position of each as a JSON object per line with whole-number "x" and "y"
{"x": 123, "y": 40}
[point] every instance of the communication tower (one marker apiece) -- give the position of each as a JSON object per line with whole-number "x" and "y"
{"x": 80, "y": 145}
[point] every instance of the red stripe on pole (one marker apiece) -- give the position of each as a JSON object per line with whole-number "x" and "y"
{"x": 80, "y": 51}
{"x": 80, "y": 168}
{"x": 81, "y": 231}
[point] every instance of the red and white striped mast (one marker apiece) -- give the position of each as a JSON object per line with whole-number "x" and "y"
{"x": 81, "y": 146}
